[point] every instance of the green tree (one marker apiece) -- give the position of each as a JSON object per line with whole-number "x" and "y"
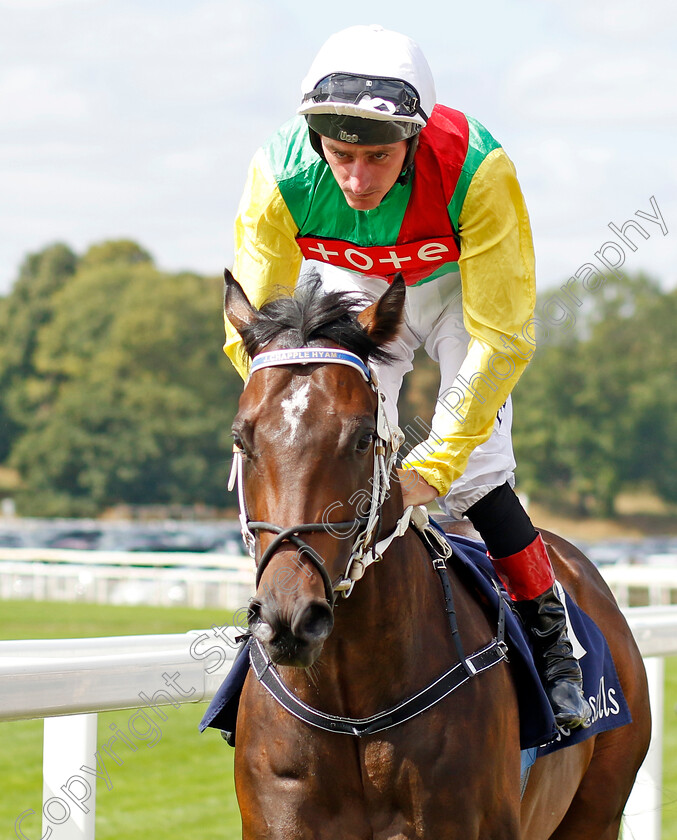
{"x": 651, "y": 450}
{"x": 23, "y": 314}
{"x": 115, "y": 251}
{"x": 594, "y": 413}
{"x": 131, "y": 397}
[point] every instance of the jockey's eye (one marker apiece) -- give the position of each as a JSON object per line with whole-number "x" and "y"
{"x": 364, "y": 443}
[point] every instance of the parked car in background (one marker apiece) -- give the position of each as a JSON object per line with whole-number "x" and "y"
{"x": 230, "y": 542}
{"x": 10, "y": 539}
{"x": 85, "y": 540}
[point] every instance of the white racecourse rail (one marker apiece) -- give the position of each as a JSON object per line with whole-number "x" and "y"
{"x": 67, "y": 682}
{"x": 212, "y": 579}
{"x": 123, "y": 577}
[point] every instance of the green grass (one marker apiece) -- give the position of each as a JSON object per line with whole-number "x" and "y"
{"x": 180, "y": 787}
{"x": 183, "y": 785}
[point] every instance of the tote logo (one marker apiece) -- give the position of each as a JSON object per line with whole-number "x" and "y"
{"x": 415, "y": 260}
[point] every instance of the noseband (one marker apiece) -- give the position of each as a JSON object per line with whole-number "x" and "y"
{"x": 292, "y": 535}
{"x": 386, "y": 443}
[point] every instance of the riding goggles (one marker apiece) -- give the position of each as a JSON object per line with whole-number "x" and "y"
{"x": 392, "y": 97}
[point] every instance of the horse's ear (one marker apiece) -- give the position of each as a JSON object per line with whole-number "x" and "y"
{"x": 382, "y": 320}
{"x": 236, "y": 305}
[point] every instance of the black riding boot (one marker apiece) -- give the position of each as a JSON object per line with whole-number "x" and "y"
{"x": 529, "y": 579}
{"x": 527, "y": 574}
{"x": 545, "y": 621}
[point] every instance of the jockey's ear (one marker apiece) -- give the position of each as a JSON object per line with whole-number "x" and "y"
{"x": 382, "y": 320}
{"x": 236, "y": 305}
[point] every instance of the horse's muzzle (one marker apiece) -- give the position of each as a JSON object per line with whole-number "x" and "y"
{"x": 295, "y": 640}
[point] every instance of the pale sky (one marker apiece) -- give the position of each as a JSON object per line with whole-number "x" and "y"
{"x": 138, "y": 119}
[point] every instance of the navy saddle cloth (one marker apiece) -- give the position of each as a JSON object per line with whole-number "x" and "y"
{"x": 537, "y": 725}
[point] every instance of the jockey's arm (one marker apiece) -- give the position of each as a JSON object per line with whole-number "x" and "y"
{"x": 499, "y": 294}
{"x": 267, "y": 258}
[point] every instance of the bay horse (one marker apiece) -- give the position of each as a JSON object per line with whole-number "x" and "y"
{"x": 309, "y": 440}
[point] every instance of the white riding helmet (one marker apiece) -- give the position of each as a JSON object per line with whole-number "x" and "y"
{"x": 367, "y": 85}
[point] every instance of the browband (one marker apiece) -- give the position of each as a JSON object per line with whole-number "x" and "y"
{"x": 310, "y": 356}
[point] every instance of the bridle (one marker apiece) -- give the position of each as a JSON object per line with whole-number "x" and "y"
{"x": 387, "y": 441}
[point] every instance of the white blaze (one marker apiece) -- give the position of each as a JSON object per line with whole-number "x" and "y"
{"x": 294, "y": 406}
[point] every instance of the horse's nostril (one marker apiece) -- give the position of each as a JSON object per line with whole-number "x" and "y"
{"x": 314, "y": 623}
{"x": 292, "y": 641}
{"x": 261, "y": 622}
{"x": 253, "y": 611}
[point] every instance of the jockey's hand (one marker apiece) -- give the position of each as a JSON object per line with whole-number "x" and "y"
{"x": 415, "y": 489}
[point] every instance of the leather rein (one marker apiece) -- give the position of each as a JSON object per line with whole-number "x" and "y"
{"x": 364, "y": 552}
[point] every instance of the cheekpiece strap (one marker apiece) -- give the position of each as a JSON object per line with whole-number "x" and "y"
{"x": 310, "y": 356}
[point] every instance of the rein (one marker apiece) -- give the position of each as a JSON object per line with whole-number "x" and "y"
{"x": 292, "y": 535}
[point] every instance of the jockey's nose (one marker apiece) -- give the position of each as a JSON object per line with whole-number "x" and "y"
{"x": 360, "y": 177}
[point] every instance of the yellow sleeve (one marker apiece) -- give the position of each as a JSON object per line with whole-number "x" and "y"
{"x": 267, "y": 258}
{"x": 499, "y": 295}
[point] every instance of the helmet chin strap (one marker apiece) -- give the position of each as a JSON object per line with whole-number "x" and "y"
{"x": 316, "y": 143}
{"x": 408, "y": 166}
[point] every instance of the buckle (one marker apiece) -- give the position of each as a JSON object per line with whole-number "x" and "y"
{"x": 346, "y": 591}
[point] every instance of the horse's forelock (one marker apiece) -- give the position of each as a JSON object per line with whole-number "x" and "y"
{"x": 310, "y": 317}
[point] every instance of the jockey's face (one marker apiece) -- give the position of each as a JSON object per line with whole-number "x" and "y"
{"x": 364, "y": 173}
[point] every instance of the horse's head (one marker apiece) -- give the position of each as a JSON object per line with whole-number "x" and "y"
{"x": 307, "y": 437}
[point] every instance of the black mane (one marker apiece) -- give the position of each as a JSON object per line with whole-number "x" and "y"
{"x": 311, "y": 317}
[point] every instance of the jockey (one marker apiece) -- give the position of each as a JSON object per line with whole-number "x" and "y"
{"x": 372, "y": 178}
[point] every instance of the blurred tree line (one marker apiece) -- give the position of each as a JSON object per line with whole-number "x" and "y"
{"x": 595, "y": 413}
{"x": 596, "y": 410}
{"x": 113, "y": 385}
{"x": 114, "y": 389}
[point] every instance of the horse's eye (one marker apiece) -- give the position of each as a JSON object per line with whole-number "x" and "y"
{"x": 238, "y": 446}
{"x": 364, "y": 443}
